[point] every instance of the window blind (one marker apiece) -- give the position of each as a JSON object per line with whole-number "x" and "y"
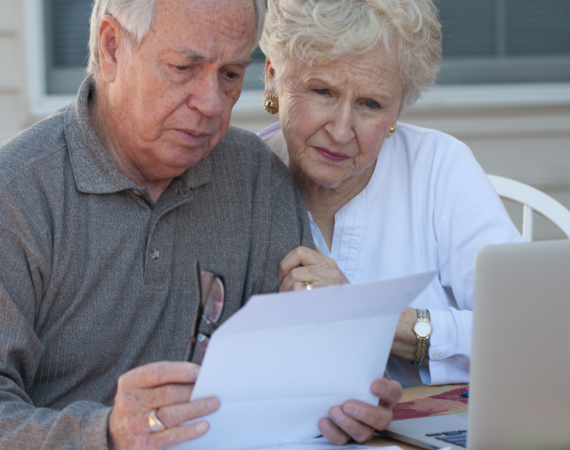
{"x": 505, "y": 41}
{"x": 67, "y": 29}
{"x": 484, "y": 41}
{"x": 537, "y": 27}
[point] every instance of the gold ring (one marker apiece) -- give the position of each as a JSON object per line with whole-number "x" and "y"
{"x": 153, "y": 422}
{"x": 307, "y": 286}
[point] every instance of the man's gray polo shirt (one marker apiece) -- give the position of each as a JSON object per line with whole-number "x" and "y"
{"x": 96, "y": 280}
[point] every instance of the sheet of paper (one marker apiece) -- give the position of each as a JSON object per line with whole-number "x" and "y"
{"x": 321, "y": 444}
{"x": 283, "y": 360}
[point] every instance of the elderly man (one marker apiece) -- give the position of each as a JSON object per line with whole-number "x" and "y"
{"x": 104, "y": 207}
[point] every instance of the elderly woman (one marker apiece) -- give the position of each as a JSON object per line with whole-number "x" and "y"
{"x": 385, "y": 199}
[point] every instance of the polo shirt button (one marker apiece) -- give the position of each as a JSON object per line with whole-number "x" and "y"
{"x": 154, "y": 254}
{"x": 436, "y": 354}
{"x": 139, "y": 193}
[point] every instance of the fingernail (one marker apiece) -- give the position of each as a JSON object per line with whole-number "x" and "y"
{"x": 350, "y": 409}
{"x": 213, "y": 404}
{"x": 325, "y": 426}
{"x": 381, "y": 389}
{"x": 202, "y": 427}
{"x": 337, "y": 414}
{"x": 192, "y": 366}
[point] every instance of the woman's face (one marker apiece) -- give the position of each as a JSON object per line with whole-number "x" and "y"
{"x": 336, "y": 117}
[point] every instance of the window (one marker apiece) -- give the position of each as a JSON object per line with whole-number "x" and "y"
{"x": 505, "y": 41}
{"x": 67, "y": 36}
{"x": 255, "y": 72}
{"x": 486, "y": 42}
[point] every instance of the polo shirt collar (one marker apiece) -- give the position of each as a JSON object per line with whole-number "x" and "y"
{"x": 93, "y": 170}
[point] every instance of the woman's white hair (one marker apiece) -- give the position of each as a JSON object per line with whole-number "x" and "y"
{"x": 302, "y": 33}
{"x": 136, "y": 18}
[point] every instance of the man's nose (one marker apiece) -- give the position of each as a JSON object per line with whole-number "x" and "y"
{"x": 206, "y": 96}
{"x": 340, "y": 124}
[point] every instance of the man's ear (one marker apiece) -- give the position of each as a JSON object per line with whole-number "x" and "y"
{"x": 269, "y": 76}
{"x": 110, "y": 43}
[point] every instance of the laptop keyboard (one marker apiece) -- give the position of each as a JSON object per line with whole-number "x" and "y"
{"x": 458, "y": 437}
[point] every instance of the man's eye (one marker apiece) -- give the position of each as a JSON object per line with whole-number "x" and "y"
{"x": 371, "y": 104}
{"x": 321, "y": 91}
{"x": 232, "y": 75}
{"x": 182, "y": 68}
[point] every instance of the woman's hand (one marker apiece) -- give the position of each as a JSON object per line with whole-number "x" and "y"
{"x": 304, "y": 265}
{"x": 358, "y": 420}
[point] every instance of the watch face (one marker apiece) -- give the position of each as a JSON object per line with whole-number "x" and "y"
{"x": 422, "y": 328}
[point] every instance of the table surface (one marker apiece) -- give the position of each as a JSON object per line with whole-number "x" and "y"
{"x": 425, "y": 401}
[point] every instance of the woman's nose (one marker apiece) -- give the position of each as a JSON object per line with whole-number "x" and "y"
{"x": 340, "y": 125}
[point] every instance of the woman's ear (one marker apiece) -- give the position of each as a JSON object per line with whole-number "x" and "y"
{"x": 269, "y": 76}
{"x": 110, "y": 41}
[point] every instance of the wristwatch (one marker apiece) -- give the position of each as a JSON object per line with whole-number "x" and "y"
{"x": 422, "y": 328}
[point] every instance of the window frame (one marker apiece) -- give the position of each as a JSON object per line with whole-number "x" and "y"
{"x": 39, "y": 102}
{"x": 449, "y": 96}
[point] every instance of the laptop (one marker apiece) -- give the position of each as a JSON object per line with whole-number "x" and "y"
{"x": 519, "y": 394}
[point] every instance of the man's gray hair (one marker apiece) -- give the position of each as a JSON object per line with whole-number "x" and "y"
{"x": 136, "y": 18}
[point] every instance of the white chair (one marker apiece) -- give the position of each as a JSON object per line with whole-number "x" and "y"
{"x": 532, "y": 200}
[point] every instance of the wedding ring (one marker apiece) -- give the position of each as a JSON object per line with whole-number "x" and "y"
{"x": 154, "y": 423}
{"x": 307, "y": 286}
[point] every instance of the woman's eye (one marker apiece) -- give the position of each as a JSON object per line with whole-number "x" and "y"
{"x": 371, "y": 104}
{"x": 321, "y": 91}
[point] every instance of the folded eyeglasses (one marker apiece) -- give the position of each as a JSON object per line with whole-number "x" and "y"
{"x": 209, "y": 307}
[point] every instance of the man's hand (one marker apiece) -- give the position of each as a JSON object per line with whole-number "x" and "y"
{"x": 309, "y": 266}
{"x": 357, "y": 420}
{"x": 166, "y": 387}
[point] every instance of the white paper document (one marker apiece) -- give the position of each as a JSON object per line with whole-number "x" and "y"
{"x": 282, "y": 361}
{"x": 322, "y": 444}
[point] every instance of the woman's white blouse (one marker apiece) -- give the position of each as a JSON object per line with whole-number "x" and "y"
{"x": 428, "y": 206}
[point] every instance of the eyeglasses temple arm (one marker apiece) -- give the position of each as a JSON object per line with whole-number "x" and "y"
{"x": 197, "y": 314}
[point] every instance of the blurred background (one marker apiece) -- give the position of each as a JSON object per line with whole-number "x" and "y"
{"x": 504, "y": 85}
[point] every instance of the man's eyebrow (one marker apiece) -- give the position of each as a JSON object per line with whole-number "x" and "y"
{"x": 196, "y": 57}
{"x": 242, "y": 62}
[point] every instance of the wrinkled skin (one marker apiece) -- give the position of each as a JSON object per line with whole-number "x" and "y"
{"x": 162, "y": 107}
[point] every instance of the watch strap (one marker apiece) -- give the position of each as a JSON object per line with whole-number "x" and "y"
{"x": 421, "y": 342}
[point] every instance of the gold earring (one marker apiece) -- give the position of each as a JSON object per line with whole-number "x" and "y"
{"x": 391, "y": 130}
{"x": 271, "y": 103}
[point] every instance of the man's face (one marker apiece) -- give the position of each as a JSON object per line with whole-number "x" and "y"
{"x": 172, "y": 97}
